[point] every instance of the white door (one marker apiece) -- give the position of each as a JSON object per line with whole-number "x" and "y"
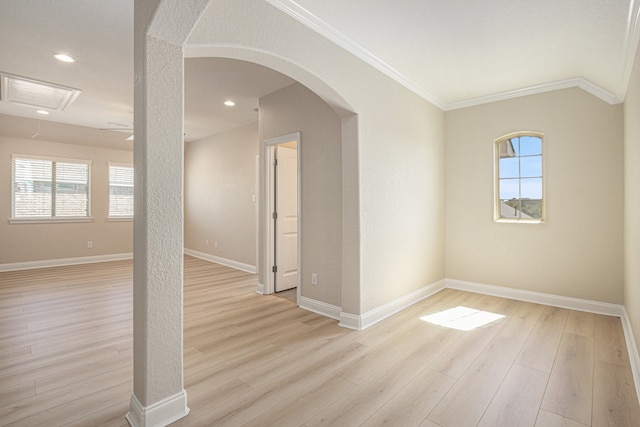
{"x": 286, "y": 222}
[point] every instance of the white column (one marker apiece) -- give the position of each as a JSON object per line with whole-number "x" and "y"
{"x": 158, "y": 396}
{"x": 161, "y": 27}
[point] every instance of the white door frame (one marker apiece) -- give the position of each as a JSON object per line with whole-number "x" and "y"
{"x": 268, "y": 232}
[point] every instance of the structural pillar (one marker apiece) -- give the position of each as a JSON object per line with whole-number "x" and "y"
{"x": 161, "y": 27}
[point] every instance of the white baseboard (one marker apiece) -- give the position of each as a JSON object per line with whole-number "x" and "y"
{"x": 351, "y": 321}
{"x": 564, "y": 302}
{"x": 30, "y": 265}
{"x": 538, "y": 297}
{"x": 159, "y": 414}
{"x": 632, "y": 349}
{"x": 260, "y": 288}
{"x": 359, "y": 322}
{"x": 328, "y": 310}
{"x": 223, "y": 261}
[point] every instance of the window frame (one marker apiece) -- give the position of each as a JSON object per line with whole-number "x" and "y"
{"x": 118, "y": 217}
{"x": 50, "y": 219}
{"x": 496, "y": 170}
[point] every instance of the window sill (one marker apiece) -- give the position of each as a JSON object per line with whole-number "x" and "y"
{"x": 120, "y": 219}
{"x": 519, "y": 221}
{"x": 49, "y": 220}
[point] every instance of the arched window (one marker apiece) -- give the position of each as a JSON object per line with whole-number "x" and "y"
{"x": 519, "y": 184}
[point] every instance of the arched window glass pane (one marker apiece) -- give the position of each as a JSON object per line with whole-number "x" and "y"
{"x": 519, "y": 179}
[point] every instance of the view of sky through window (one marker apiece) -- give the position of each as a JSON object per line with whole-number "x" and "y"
{"x": 520, "y": 177}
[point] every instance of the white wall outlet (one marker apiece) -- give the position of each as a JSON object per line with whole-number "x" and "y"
{"x": 206, "y": 243}
{"x": 90, "y": 244}
{"x": 215, "y": 244}
{"x": 314, "y": 278}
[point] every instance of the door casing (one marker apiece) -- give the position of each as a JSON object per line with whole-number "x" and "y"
{"x": 268, "y": 188}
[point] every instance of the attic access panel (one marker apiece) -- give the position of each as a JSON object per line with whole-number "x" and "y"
{"x": 37, "y": 94}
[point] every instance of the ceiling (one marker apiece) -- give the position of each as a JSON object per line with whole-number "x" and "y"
{"x": 457, "y": 53}
{"x": 453, "y": 53}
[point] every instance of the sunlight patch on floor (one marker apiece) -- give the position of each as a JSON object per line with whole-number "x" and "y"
{"x": 462, "y": 318}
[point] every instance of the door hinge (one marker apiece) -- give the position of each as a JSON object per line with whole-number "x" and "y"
{"x": 274, "y": 269}
{"x": 275, "y": 162}
{"x": 275, "y": 215}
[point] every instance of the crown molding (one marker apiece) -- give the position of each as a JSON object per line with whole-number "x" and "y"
{"x": 580, "y": 82}
{"x": 632, "y": 38}
{"x": 316, "y": 24}
{"x": 307, "y": 18}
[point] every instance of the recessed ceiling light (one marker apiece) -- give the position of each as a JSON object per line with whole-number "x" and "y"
{"x": 63, "y": 57}
{"x": 229, "y": 103}
{"x": 43, "y": 112}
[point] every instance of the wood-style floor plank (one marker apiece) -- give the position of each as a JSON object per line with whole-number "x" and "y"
{"x": 250, "y": 360}
{"x": 570, "y": 389}
{"x": 614, "y": 400}
{"x": 540, "y": 349}
{"x": 549, "y": 419}
{"x": 518, "y": 399}
{"x": 477, "y": 386}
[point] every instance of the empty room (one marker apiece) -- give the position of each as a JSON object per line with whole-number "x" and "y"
{"x": 304, "y": 212}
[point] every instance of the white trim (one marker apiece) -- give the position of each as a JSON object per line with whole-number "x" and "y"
{"x": 374, "y": 316}
{"x": 328, "y": 310}
{"x": 260, "y": 288}
{"x": 51, "y": 220}
{"x": 316, "y": 24}
{"x": 538, "y": 297}
{"x": 580, "y": 82}
{"x": 632, "y": 36}
{"x": 30, "y": 265}
{"x": 632, "y": 349}
{"x": 120, "y": 219}
{"x": 159, "y": 414}
{"x": 597, "y": 307}
{"x": 268, "y": 147}
{"x": 120, "y": 165}
{"x": 223, "y": 261}
{"x": 51, "y": 158}
{"x": 351, "y": 321}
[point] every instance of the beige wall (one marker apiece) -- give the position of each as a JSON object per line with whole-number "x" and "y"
{"x": 632, "y": 200}
{"x": 578, "y": 251}
{"x": 395, "y": 219}
{"x": 402, "y": 196}
{"x": 297, "y": 109}
{"x": 37, "y": 242}
{"x": 220, "y": 183}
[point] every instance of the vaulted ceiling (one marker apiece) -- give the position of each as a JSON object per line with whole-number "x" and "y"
{"x": 460, "y": 52}
{"x": 453, "y": 53}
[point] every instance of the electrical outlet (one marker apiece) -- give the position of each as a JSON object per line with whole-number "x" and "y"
{"x": 206, "y": 243}
{"x": 215, "y": 244}
{"x": 90, "y": 244}
{"x": 314, "y": 279}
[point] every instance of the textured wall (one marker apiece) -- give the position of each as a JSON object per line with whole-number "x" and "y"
{"x": 399, "y": 146}
{"x": 296, "y": 109}
{"x": 632, "y": 200}
{"x": 38, "y": 242}
{"x": 220, "y": 183}
{"x": 577, "y": 251}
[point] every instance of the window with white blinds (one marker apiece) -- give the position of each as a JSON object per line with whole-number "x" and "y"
{"x": 120, "y": 191}
{"x": 50, "y": 188}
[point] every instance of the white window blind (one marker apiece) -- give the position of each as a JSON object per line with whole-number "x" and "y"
{"x": 120, "y": 191}
{"x": 48, "y": 188}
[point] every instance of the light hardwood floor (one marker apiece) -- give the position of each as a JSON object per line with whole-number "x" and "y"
{"x": 66, "y": 358}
